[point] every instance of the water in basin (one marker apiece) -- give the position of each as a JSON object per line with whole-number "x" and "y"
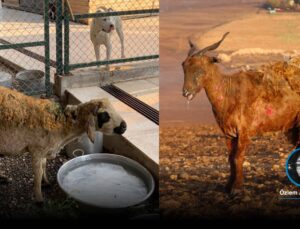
{"x": 105, "y": 185}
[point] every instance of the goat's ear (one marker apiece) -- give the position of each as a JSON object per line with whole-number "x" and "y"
{"x": 90, "y": 128}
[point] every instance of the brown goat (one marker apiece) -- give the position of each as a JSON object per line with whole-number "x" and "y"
{"x": 244, "y": 103}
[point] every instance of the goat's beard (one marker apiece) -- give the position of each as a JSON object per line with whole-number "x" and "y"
{"x": 191, "y": 96}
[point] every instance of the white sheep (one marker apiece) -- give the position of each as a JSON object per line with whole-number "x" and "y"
{"x": 42, "y": 128}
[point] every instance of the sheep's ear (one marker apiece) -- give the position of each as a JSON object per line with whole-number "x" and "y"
{"x": 71, "y": 112}
{"x": 90, "y": 128}
{"x": 90, "y": 125}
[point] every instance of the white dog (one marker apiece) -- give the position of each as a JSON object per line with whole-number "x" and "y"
{"x": 101, "y": 30}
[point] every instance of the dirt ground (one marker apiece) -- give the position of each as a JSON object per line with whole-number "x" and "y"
{"x": 16, "y": 196}
{"x": 17, "y": 199}
{"x": 194, "y": 171}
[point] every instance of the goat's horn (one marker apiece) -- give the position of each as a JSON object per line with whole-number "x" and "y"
{"x": 191, "y": 44}
{"x": 193, "y": 48}
{"x": 213, "y": 46}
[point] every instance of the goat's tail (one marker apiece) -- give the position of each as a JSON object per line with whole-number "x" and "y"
{"x": 293, "y": 135}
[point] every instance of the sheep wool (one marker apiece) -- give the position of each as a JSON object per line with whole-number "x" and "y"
{"x": 19, "y": 110}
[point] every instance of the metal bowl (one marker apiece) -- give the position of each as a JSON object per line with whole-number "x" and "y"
{"x": 30, "y": 81}
{"x": 6, "y": 79}
{"x": 106, "y": 181}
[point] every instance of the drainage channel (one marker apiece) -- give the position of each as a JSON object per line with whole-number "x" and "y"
{"x": 136, "y": 104}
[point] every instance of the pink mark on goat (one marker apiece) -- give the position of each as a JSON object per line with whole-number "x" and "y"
{"x": 269, "y": 110}
{"x": 218, "y": 88}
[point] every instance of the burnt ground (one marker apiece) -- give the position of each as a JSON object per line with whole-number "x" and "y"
{"x": 194, "y": 171}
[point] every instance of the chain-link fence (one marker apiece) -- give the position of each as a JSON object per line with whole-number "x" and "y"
{"x": 24, "y": 45}
{"x": 107, "y": 32}
{"x": 27, "y": 36}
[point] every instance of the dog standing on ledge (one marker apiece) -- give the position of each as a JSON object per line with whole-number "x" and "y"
{"x": 101, "y": 30}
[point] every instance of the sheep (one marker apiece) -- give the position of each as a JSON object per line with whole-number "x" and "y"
{"x": 245, "y": 103}
{"x": 42, "y": 127}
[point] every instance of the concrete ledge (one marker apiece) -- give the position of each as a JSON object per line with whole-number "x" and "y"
{"x": 101, "y": 77}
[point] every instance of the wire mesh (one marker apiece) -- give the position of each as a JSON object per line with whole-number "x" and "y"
{"x": 24, "y": 37}
{"x": 22, "y": 43}
{"x": 141, "y": 32}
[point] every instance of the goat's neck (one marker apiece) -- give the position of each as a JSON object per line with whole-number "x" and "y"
{"x": 217, "y": 88}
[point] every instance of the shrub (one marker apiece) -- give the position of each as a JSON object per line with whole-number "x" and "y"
{"x": 284, "y": 4}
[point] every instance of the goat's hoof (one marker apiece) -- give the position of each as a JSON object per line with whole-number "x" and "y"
{"x": 233, "y": 189}
{"x": 236, "y": 192}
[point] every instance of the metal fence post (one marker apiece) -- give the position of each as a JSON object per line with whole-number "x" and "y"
{"x": 59, "y": 39}
{"x": 66, "y": 41}
{"x": 47, "y": 48}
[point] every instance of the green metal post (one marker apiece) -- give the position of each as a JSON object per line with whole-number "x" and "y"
{"x": 47, "y": 49}
{"x": 59, "y": 39}
{"x": 66, "y": 42}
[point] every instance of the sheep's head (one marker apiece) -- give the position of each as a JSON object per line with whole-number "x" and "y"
{"x": 195, "y": 67}
{"x": 96, "y": 115}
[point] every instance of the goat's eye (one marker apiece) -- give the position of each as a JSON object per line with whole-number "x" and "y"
{"x": 214, "y": 60}
{"x": 104, "y": 19}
